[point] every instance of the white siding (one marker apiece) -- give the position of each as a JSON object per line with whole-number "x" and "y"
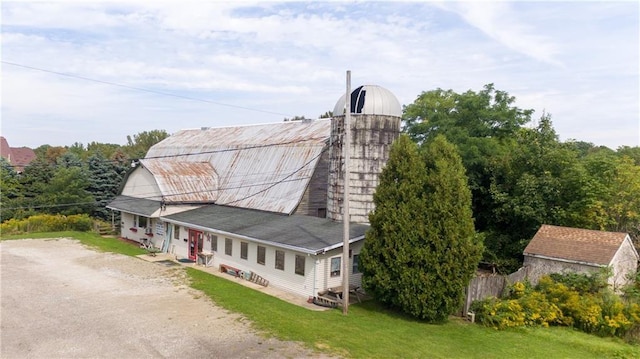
{"x": 142, "y": 184}
{"x": 624, "y": 263}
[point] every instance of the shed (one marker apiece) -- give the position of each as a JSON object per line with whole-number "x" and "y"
{"x": 556, "y": 249}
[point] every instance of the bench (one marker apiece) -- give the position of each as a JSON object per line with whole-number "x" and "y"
{"x": 231, "y": 270}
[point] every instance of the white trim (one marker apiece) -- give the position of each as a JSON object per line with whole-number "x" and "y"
{"x": 566, "y": 260}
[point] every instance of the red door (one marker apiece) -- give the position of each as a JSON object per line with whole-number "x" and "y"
{"x": 195, "y": 244}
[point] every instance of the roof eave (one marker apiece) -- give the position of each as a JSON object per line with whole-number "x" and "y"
{"x": 591, "y": 264}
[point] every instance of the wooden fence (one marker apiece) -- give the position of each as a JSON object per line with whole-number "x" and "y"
{"x": 482, "y": 287}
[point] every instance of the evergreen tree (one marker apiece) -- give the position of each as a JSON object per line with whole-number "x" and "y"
{"x": 421, "y": 250}
{"x": 105, "y": 178}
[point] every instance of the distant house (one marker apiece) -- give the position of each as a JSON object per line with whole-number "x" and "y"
{"x": 265, "y": 200}
{"x": 557, "y": 249}
{"x": 18, "y": 157}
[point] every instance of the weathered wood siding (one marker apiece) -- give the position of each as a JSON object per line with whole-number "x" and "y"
{"x": 314, "y": 200}
{"x": 482, "y": 287}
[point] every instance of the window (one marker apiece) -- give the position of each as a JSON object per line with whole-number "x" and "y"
{"x": 140, "y": 222}
{"x": 335, "y": 266}
{"x": 300, "y": 264}
{"x": 228, "y": 246}
{"x": 176, "y": 232}
{"x": 354, "y": 263}
{"x": 262, "y": 251}
{"x": 322, "y": 212}
{"x": 244, "y": 250}
{"x": 214, "y": 243}
{"x": 279, "y": 259}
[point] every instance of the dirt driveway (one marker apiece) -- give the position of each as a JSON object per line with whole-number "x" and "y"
{"x": 62, "y": 300}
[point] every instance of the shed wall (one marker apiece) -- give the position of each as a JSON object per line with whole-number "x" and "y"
{"x": 625, "y": 264}
{"x": 538, "y": 267}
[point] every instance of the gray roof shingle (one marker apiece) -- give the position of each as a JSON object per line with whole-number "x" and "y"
{"x": 308, "y": 234}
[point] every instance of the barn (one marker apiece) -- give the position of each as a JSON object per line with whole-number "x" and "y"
{"x": 264, "y": 200}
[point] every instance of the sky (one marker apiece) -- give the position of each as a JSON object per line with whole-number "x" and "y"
{"x": 78, "y": 71}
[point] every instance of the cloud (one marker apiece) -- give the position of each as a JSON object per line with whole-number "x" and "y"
{"x": 574, "y": 60}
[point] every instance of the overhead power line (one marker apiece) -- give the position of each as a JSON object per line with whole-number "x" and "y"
{"x": 142, "y": 89}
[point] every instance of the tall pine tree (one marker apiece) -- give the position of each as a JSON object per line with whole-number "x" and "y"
{"x": 421, "y": 250}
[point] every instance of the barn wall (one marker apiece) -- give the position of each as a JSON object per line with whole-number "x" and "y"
{"x": 314, "y": 200}
{"x": 142, "y": 184}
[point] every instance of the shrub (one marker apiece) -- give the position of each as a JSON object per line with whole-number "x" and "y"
{"x": 47, "y": 223}
{"x": 578, "y": 301}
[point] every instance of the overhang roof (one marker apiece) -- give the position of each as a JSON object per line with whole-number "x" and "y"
{"x": 140, "y": 206}
{"x": 303, "y": 233}
{"x": 575, "y": 244}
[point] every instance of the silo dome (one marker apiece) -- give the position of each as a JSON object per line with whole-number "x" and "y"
{"x": 370, "y": 100}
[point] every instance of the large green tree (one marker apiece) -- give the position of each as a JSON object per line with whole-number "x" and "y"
{"x": 481, "y": 124}
{"x": 421, "y": 249}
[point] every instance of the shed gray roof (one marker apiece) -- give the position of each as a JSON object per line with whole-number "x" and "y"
{"x": 303, "y": 233}
{"x": 139, "y": 206}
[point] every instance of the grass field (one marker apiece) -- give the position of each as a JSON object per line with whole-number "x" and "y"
{"x": 370, "y": 331}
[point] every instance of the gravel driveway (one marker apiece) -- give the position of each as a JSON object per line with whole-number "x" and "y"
{"x": 62, "y": 300}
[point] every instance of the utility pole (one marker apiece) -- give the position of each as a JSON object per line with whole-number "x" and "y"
{"x": 346, "y": 147}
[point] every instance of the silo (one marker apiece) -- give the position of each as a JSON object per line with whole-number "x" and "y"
{"x": 375, "y": 124}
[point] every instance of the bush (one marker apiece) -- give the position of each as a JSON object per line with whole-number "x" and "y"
{"x": 576, "y": 301}
{"x": 47, "y": 223}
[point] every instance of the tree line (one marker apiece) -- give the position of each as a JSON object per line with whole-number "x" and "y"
{"x": 521, "y": 176}
{"x": 69, "y": 180}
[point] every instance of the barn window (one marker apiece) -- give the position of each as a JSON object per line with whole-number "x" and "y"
{"x": 354, "y": 263}
{"x": 228, "y": 246}
{"x": 279, "y": 259}
{"x": 176, "y": 232}
{"x": 300, "y": 264}
{"x": 262, "y": 251}
{"x": 244, "y": 250}
{"x": 335, "y": 266}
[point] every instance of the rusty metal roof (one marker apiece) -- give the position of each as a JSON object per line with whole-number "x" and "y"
{"x": 181, "y": 181}
{"x": 265, "y": 167}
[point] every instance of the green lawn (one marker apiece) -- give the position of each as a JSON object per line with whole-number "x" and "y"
{"x": 89, "y": 239}
{"x": 370, "y": 331}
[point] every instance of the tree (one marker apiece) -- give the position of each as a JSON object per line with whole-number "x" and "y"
{"x": 421, "y": 249}
{"x": 67, "y": 192}
{"x": 10, "y": 189}
{"x": 105, "y": 178}
{"x": 295, "y": 118}
{"x": 481, "y": 124}
{"x": 538, "y": 181}
{"x": 138, "y": 146}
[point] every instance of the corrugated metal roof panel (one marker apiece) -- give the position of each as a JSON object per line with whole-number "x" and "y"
{"x": 181, "y": 181}
{"x": 265, "y": 167}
